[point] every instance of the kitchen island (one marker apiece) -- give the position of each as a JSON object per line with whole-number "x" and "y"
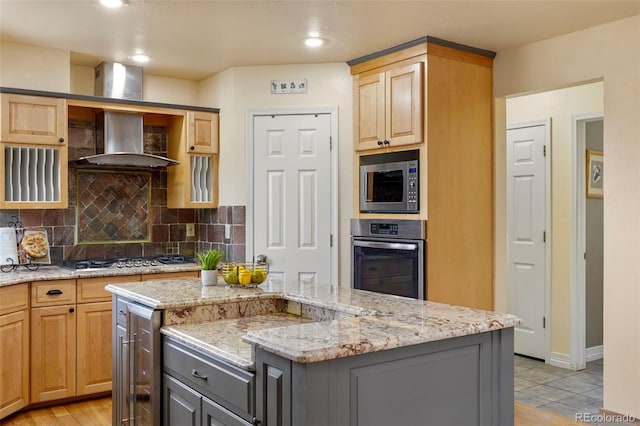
{"x": 306, "y": 354}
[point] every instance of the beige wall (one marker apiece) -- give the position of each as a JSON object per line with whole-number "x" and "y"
{"x": 240, "y": 89}
{"x": 154, "y": 88}
{"x": 610, "y": 52}
{"x": 25, "y": 66}
{"x": 559, "y": 105}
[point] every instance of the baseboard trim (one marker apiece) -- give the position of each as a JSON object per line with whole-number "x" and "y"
{"x": 613, "y": 417}
{"x": 560, "y": 360}
{"x": 594, "y": 353}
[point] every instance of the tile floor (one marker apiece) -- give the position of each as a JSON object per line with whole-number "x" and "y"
{"x": 562, "y": 391}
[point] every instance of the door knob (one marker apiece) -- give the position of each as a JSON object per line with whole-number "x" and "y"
{"x": 261, "y": 259}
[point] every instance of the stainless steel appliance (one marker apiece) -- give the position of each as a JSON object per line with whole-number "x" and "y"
{"x": 128, "y": 262}
{"x": 389, "y": 256}
{"x": 136, "y": 364}
{"x": 390, "y": 182}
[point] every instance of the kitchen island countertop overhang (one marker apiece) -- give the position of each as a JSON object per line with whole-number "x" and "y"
{"x": 224, "y": 321}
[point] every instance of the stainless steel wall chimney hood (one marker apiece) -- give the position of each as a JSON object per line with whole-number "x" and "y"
{"x": 122, "y": 142}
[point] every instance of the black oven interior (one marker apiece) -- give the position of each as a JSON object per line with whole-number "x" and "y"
{"x": 389, "y": 256}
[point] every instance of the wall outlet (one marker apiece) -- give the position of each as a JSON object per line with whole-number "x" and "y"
{"x": 191, "y": 230}
{"x": 227, "y": 231}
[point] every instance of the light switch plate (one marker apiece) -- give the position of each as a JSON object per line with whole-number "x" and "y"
{"x": 227, "y": 231}
{"x": 191, "y": 230}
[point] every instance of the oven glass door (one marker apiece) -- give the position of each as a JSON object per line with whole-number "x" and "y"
{"x": 389, "y": 267}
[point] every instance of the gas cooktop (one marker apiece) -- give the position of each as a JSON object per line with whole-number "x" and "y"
{"x": 128, "y": 262}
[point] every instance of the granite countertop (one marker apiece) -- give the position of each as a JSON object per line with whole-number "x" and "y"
{"x": 50, "y": 272}
{"x": 228, "y": 322}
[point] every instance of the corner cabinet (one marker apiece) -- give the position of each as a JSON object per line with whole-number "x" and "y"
{"x": 194, "y": 182}
{"x": 436, "y": 96}
{"x": 33, "y": 152}
{"x": 388, "y": 107}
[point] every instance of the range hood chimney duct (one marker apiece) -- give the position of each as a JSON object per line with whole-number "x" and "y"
{"x": 122, "y": 142}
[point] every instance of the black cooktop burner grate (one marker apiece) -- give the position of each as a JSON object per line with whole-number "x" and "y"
{"x": 128, "y": 262}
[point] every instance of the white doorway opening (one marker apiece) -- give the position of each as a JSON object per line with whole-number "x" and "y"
{"x": 582, "y": 349}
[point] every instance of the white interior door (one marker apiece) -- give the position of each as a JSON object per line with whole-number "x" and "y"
{"x": 527, "y": 233}
{"x": 292, "y": 195}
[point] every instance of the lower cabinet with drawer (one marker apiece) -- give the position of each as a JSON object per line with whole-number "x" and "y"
{"x": 201, "y": 390}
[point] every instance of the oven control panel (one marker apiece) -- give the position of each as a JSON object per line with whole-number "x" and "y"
{"x": 384, "y": 229}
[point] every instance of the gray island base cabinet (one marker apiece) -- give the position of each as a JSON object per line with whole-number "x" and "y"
{"x": 463, "y": 381}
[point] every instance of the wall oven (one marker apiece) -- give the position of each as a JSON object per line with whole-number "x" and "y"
{"x": 389, "y": 256}
{"x": 390, "y": 182}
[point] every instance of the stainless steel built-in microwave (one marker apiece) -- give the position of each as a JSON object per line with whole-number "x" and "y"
{"x": 390, "y": 183}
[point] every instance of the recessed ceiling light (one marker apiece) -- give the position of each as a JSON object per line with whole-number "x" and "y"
{"x": 140, "y": 58}
{"x": 114, "y": 3}
{"x": 313, "y": 41}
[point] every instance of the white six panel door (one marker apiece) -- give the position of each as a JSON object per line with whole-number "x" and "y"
{"x": 526, "y": 224}
{"x": 292, "y": 195}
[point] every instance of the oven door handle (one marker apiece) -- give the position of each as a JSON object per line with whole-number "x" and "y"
{"x": 384, "y": 245}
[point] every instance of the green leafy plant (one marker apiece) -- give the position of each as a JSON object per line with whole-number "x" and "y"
{"x": 210, "y": 258}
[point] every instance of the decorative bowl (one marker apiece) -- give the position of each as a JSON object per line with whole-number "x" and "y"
{"x": 244, "y": 274}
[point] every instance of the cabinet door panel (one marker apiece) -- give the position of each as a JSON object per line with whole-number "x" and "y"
{"x": 14, "y": 362}
{"x": 216, "y": 415}
{"x": 94, "y": 348}
{"x": 53, "y": 353}
{"x": 34, "y": 120}
{"x": 181, "y": 404}
{"x": 202, "y": 132}
{"x": 404, "y": 105}
{"x": 369, "y": 113}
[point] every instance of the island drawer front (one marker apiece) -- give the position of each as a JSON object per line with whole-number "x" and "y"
{"x": 225, "y": 384}
{"x": 53, "y": 293}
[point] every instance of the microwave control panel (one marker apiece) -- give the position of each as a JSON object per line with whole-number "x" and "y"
{"x": 412, "y": 185}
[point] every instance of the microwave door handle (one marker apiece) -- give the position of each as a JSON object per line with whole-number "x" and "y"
{"x": 381, "y": 245}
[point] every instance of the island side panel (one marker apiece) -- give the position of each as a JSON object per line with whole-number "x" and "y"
{"x": 465, "y": 380}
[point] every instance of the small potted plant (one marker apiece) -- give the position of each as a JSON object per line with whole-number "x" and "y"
{"x": 209, "y": 261}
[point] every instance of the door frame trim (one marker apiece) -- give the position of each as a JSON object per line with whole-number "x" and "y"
{"x": 249, "y": 158}
{"x": 577, "y": 284}
{"x": 548, "y": 247}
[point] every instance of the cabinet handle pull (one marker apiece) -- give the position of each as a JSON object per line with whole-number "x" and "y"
{"x": 192, "y": 147}
{"x": 386, "y": 142}
{"x": 54, "y": 292}
{"x": 255, "y": 421}
{"x": 197, "y": 375}
{"x": 61, "y": 140}
{"x": 379, "y": 143}
{"x": 72, "y": 310}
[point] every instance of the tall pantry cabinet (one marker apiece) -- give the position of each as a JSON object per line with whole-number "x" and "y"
{"x": 436, "y": 96}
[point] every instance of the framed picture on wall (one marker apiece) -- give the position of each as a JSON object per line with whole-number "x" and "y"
{"x": 595, "y": 174}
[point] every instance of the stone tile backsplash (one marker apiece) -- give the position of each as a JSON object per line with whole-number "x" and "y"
{"x": 91, "y": 218}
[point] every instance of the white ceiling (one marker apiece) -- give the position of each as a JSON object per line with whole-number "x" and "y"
{"x": 195, "y": 39}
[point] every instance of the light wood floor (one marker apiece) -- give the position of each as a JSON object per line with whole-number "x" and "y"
{"x": 97, "y": 412}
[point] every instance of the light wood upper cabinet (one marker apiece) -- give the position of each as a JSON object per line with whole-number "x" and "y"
{"x": 14, "y": 348}
{"x": 33, "y": 132}
{"x": 202, "y": 132}
{"x": 33, "y": 120}
{"x": 194, "y": 182}
{"x": 388, "y": 107}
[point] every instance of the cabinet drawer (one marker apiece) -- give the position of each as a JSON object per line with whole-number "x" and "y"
{"x": 121, "y": 312}
{"x": 50, "y": 293}
{"x": 92, "y": 289}
{"x": 14, "y": 298}
{"x": 225, "y": 384}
